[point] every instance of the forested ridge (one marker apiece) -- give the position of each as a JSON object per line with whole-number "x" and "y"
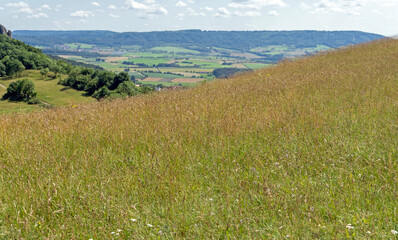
{"x": 239, "y": 40}
{"x": 16, "y": 56}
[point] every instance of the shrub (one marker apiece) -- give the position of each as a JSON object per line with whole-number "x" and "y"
{"x": 21, "y": 90}
{"x": 34, "y": 101}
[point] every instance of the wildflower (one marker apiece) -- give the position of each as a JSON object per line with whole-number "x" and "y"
{"x": 210, "y": 199}
{"x": 349, "y": 226}
{"x": 133, "y": 220}
{"x": 112, "y": 233}
{"x": 368, "y": 232}
{"x": 394, "y": 232}
{"x": 149, "y": 225}
{"x": 119, "y": 230}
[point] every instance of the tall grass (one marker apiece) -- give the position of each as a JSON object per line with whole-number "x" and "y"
{"x": 303, "y": 150}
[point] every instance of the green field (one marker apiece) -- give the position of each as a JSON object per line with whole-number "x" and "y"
{"x": 149, "y": 61}
{"x": 48, "y": 91}
{"x": 288, "y": 50}
{"x": 186, "y": 60}
{"x": 163, "y": 75}
{"x": 171, "y": 83}
{"x": 75, "y": 46}
{"x": 175, "y": 50}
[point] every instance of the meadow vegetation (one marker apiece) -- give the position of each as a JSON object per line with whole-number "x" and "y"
{"x": 49, "y": 93}
{"x": 307, "y": 149}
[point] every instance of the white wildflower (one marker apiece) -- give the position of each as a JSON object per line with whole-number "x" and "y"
{"x": 394, "y": 232}
{"x": 133, "y": 220}
{"x": 368, "y": 232}
{"x": 210, "y": 199}
{"x": 349, "y": 226}
{"x": 112, "y": 233}
{"x": 149, "y": 225}
{"x": 119, "y": 230}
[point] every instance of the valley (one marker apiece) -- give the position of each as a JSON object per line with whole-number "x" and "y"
{"x": 186, "y": 58}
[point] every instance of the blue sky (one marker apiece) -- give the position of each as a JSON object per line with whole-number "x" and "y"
{"x": 377, "y": 16}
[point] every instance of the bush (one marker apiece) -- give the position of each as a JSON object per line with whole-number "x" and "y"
{"x": 21, "y": 90}
{"x": 34, "y": 101}
{"x": 101, "y": 93}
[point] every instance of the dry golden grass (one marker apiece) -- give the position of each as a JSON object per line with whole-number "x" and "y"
{"x": 306, "y": 150}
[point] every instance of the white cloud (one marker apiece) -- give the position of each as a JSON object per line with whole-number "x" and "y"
{"x": 192, "y": 12}
{"x": 58, "y": 7}
{"x": 131, "y": 4}
{"x": 147, "y": 9}
{"x": 82, "y": 14}
{"x": 39, "y": 15}
{"x": 210, "y": 9}
{"x": 304, "y": 6}
{"x": 181, "y": 16}
{"x": 247, "y": 13}
{"x": 181, "y": 4}
{"x": 256, "y": 4}
{"x": 1, "y": 8}
{"x": 45, "y": 7}
{"x": 96, "y": 4}
{"x": 223, "y": 12}
{"x": 273, "y": 13}
{"x": 351, "y": 7}
{"x": 18, "y": 5}
{"x": 114, "y": 16}
{"x": 112, "y": 7}
{"x": 25, "y": 10}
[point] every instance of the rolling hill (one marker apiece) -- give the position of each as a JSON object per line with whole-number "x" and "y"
{"x": 307, "y": 149}
{"x": 197, "y": 39}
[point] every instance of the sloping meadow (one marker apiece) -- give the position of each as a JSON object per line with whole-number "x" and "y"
{"x": 306, "y": 149}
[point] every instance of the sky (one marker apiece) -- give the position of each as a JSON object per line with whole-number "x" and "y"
{"x": 376, "y": 16}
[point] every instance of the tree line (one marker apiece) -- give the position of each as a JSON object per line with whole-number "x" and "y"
{"x": 199, "y": 40}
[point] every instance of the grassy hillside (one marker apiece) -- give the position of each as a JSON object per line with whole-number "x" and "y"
{"x": 48, "y": 91}
{"x": 304, "y": 150}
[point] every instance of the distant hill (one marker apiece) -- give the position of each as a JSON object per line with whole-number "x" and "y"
{"x": 238, "y": 40}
